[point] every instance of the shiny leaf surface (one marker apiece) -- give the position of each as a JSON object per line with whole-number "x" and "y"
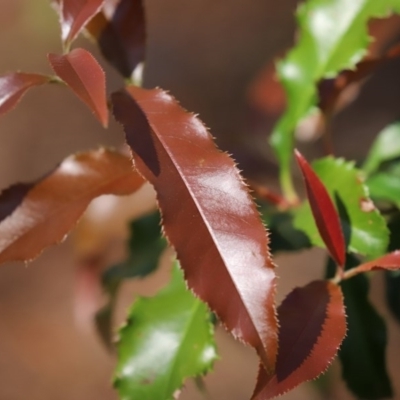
{"x": 364, "y": 228}
{"x": 14, "y": 86}
{"x": 167, "y": 339}
{"x": 312, "y": 326}
{"x": 325, "y": 215}
{"x": 49, "y": 208}
{"x": 83, "y": 74}
{"x": 122, "y": 40}
{"x": 145, "y": 248}
{"x": 74, "y": 15}
{"x": 208, "y": 214}
{"x": 333, "y": 36}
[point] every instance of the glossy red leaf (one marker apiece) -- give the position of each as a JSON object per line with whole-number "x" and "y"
{"x": 208, "y": 214}
{"x": 14, "y": 86}
{"x": 83, "y": 74}
{"x": 74, "y": 15}
{"x": 42, "y": 213}
{"x": 312, "y": 327}
{"x": 122, "y": 40}
{"x": 389, "y": 261}
{"x": 324, "y": 212}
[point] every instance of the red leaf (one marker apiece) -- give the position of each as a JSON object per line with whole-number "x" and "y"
{"x": 74, "y": 15}
{"x": 45, "y": 211}
{"x": 83, "y": 74}
{"x": 14, "y": 86}
{"x": 122, "y": 40}
{"x": 389, "y": 261}
{"x": 208, "y": 214}
{"x": 324, "y": 212}
{"x": 312, "y": 327}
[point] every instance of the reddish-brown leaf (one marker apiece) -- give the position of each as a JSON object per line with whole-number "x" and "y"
{"x": 83, "y": 74}
{"x": 74, "y": 15}
{"x": 44, "y": 214}
{"x": 208, "y": 214}
{"x": 14, "y": 86}
{"x": 389, "y": 261}
{"x": 324, "y": 212}
{"x": 122, "y": 41}
{"x": 312, "y": 327}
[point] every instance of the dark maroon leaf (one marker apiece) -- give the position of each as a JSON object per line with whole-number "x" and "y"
{"x": 208, "y": 214}
{"x": 122, "y": 40}
{"x": 312, "y": 327}
{"x": 324, "y": 212}
{"x": 14, "y": 86}
{"x": 52, "y": 205}
{"x": 83, "y": 74}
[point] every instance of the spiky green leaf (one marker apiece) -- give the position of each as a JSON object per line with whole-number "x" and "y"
{"x": 167, "y": 339}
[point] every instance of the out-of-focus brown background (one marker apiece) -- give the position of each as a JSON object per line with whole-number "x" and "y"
{"x": 206, "y": 52}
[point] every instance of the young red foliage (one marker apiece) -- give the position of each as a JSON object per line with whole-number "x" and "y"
{"x": 15, "y": 85}
{"x": 122, "y": 40}
{"x": 74, "y": 15}
{"x": 83, "y": 74}
{"x": 44, "y": 212}
{"x": 312, "y": 327}
{"x": 324, "y": 212}
{"x": 208, "y": 214}
{"x": 389, "y": 261}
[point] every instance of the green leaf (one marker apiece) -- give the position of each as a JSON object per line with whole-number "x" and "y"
{"x": 333, "y": 36}
{"x": 364, "y": 228}
{"x": 362, "y": 354}
{"x": 385, "y": 186}
{"x": 386, "y": 147}
{"x": 167, "y": 339}
{"x": 145, "y": 248}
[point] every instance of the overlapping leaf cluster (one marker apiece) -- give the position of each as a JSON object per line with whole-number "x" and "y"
{"x": 210, "y": 219}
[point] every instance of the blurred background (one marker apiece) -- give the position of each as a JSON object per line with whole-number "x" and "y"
{"x": 210, "y": 54}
